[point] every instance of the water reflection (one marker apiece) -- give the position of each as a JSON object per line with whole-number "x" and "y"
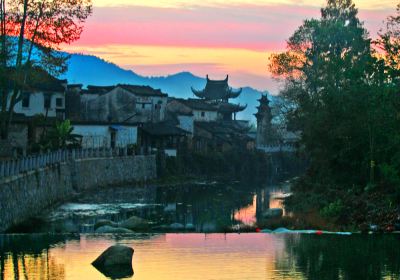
{"x": 200, "y": 208}
{"x": 206, "y": 256}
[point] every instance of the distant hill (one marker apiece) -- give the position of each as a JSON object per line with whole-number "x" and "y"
{"x": 91, "y": 70}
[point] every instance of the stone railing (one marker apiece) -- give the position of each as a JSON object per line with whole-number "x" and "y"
{"x": 17, "y": 166}
{"x": 277, "y": 148}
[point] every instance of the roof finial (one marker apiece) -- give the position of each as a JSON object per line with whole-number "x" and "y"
{"x": 207, "y": 77}
{"x": 227, "y": 77}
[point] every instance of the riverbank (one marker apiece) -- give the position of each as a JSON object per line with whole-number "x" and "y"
{"x": 27, "y": 194}
{"x": 345, "y": 209}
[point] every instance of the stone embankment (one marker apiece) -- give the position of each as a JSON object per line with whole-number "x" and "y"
{"x": 27, "y": 194}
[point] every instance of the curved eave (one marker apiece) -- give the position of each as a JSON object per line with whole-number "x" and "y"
{"x": 235, "y": 94}
{"x": 198, "y": 93}
{"x": 233, "y": 109}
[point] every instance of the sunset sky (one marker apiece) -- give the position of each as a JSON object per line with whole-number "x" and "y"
{"x": 156, "y": 38}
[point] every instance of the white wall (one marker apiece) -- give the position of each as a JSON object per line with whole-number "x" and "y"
{"x": 209, "y": 116}
{"x": 186, "y": 123}
{"x": 149, "y": 105}
{"x": 95, "y": 136}
{"x": 126, "y": 136}
{"x": 36, "y": 105}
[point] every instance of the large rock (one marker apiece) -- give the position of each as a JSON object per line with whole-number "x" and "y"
{"x": 115, "y": 262}
{"x": 176, "y": 226}
{"x": 104, "y": 222}
{"x": 273, "y": 213}
{"x": 135, "y": 223}
{"x": 110, "y": 229}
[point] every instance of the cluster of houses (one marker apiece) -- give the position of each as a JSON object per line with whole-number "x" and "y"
{"x": 141, "y": 117}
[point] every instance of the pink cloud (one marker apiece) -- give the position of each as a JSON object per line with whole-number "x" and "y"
{"x": 259, "y": 28}
{"x": 244, "y": 26}
{"x": 250, "y": 27}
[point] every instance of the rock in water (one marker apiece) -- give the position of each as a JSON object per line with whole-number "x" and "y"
{"x": 135, "y": 223}
{"x": 108, "y": 229}
{"x": 115, "y": 262}
{"x": 176, "y": 226}
{"x": 103, "y": 222}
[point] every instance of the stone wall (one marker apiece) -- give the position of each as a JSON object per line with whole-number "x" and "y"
{"x": 26, "y": 195}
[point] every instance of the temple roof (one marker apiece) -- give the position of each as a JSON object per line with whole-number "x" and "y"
{"x": 40, "y": 79}
{"x": 164, "y": 129}
{"x": 230, "y": 108}
{"x": 198, "y": 104}
{"x": 217, "y": 90}
{"x": 137, "y": 90}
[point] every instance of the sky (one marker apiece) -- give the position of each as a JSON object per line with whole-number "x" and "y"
{"x": 214, "y": 37}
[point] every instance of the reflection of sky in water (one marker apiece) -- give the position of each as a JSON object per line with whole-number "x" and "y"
{"x": 198, "y": 256}
{"x": 266, "y": 198}
{"x": 169, "y": 256}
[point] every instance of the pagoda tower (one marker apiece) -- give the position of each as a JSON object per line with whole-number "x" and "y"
{"x": 264, "y": 127}
{"x": 217, "y": 90}
{"x": 218, "y": 93}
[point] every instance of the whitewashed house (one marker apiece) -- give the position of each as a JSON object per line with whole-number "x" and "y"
{"x": 106, "y": 135}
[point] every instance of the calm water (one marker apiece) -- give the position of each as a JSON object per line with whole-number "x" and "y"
{"x": 206, "y": 256}
{"x": 45, "y": 251}
{"x": 202, "y": 207}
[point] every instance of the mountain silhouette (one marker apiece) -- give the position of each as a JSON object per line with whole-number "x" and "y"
{"x": 92, "y": 70}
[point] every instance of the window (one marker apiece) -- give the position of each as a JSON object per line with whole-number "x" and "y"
{"x": 59, "y": 102}
{"x": 25, "y": 101}
{"x": 203, "y": 114}
{"x": 143, "y": 106}
{"x": 47, "y": 101}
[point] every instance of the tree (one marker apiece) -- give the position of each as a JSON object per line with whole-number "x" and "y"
{"x": 330, "y": 82}
{"x": 31, "y": 34}
{"x": 389, "y": 43}
{"x": 61, "y": 136}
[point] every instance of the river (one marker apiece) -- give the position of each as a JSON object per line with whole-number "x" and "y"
{"x": 61, "y": 243}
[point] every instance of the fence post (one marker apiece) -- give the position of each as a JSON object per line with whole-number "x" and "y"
{"x": 41, "y": 160}
{"x": 6, "y": 169}
{"x": 17, "y": 166}
{"x": 1, "y": 169}
{"x": 12, "y": 168}
{"x": 36, "y": 162}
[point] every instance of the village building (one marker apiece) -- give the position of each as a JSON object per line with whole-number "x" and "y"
{"x": 217, "y": 94}
{"x": 163, "y": 136}
{"x": 217, "y": 90}
{"x": 43, "y": 95}
{"x": 112, "y": 116}
{"x": 212, "y": 118}
{"x": 41, "y": 103}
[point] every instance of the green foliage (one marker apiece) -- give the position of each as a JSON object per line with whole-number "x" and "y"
{"x": 342, "y": 101}
{"x": 333, "y": 210}
{"x": 390, "y": 174}
{"x": 61, "y": 137}
{"x": 343, "y": 96}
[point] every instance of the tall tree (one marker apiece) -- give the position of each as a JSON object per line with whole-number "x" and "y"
{"x": 32, "y": 32}
{"x": 329, "y": 75}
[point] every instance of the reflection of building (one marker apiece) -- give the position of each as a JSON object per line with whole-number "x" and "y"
{"x": 263, "y": 200}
